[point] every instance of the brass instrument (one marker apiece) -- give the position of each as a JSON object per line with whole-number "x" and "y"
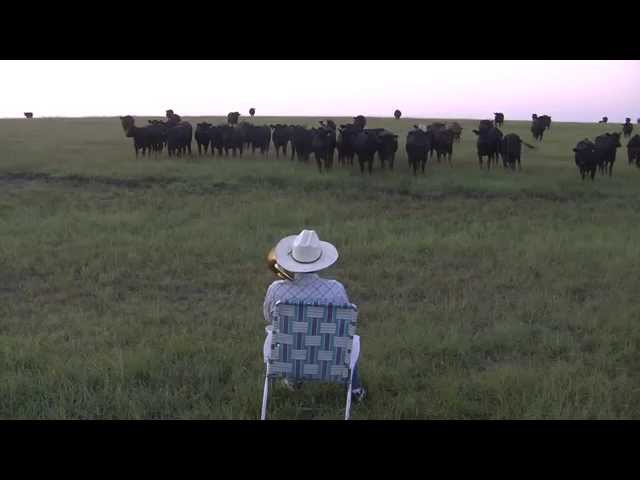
{"x": 280, "y": 272}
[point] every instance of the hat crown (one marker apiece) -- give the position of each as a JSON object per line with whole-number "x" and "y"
{"x": 306, "y": 247}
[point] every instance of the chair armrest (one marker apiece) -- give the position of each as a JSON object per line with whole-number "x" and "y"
{"x": 266, "y": 349}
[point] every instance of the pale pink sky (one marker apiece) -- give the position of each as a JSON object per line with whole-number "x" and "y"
{"x": 566, "y": 90}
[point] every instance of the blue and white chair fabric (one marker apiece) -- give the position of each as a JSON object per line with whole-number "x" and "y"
{"x": 312, "y": 342}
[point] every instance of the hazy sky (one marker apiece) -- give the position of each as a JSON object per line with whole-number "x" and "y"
{"x": 566, "y": 90}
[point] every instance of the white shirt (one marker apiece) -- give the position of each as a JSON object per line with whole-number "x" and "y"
{"x": 307, "y": 287}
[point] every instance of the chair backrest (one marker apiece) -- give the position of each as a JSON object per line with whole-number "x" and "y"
{"x": 313, "y": 341}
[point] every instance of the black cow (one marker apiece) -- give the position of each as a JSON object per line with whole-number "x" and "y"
{"x": 232, "y": 139}
{"x": 323, "y": 145}
{"x": 366, "y": 144}
{"x": 499, "y": 119}
{"x": 260, "y": 138}
{"x": 252, "y": 111}
{"x": 397, "y": 114}
{"x": 360, "y": 122}
{"x": 627, "y": 128}
{"x": 281, "y": 136}
{"x": 456, "y": 129}
{"x": 604, "y": 120}
{"x": 158, "y": 135}
{"x": 179, "y": 136}
{"x": 606, "y": 147}
{"x": 546, "y": 121}
{"x": 217, "y": 138}
{"x": 232, "y": 118}
{"x": 387, "y": 147}
{"x": 418, "y": 144}
{"x": 511, "y": 150}
{"x": 203, "y": 137}
{"x": 301, "y": 139}
{"x": 538, "y": 127}
{"x": 443, "y": 143}
{"x": 142, "y": 136}
{"x": 346, "y": 143}
{"x": 489, "y": 140}
{"x": 28, "y": 114}
{"x": 633, "y": 150}
{"x": 586, "y": 158}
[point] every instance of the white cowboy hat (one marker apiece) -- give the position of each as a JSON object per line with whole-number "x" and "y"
{"x": 305, "y": 253}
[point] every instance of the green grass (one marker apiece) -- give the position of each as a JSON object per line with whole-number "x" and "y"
{"x": 134, "y": 288}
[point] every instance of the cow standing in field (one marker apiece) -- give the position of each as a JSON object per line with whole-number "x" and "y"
{"x": 217, "y": 140}
{"x": 586, "y": 158}
{"x": 323, "y": 145}
{"x": 606, "y": 147}
{"x": 456, "y": 129}
{"x": 260, "y": 138}
{"x": 203, "y": 137}
{"x": 633, "y": 150}
{"x": 488, "y": 145}
{"x": 417, "y": 147}
{"x": 604, "y": 120}
{"x": 443, "y": 143}
{"x": 158, "y": 131}
{"x": 346, "y": 143}
{"x": 142, "y": 136}
{"x": 511, "y": 150}
{"x": 28, "y": 114}
{"x": 281, "y": 136}
{"x": 627, "y": 128}
{"x": 387, "y": 147}
{"x": 366, "y": 145}
{"x": 301, "y": 140}
{"x": 232, "y": 139}
{"x": 232, "y": 118}
{"x": 397, "y": 114}
{"x": 498, "y": 119}
{"x": 538, "y": 127}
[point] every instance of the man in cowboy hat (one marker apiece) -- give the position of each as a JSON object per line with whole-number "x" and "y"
{"x": 304, "y": 255}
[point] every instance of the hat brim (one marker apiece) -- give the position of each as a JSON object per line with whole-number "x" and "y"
{"x": 285, "y": 260}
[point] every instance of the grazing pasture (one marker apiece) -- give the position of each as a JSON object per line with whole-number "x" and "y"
{"x": 133, "y": 288}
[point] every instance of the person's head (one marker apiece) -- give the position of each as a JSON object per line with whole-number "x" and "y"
{"x": 305, "y": 253}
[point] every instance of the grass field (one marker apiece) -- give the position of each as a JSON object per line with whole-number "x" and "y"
{"x": 133, "y": 288}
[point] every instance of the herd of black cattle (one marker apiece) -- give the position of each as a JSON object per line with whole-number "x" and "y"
{"x": 354, "y": 140}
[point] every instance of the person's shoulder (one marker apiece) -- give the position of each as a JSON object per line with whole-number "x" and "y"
{"x": 335, "y": 283}
{"x": 275, "y": 285}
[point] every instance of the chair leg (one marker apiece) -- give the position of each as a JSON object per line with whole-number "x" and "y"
{"x": 265, "y": 395}
{"x": 347, "y": 411}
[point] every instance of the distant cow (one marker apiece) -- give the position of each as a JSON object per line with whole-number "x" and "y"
{"x": 456, "y": 129}
{"x": 28, "y": 114}
{"x": 203, "y": 137}
{"x": 498, "y": 119}
{"x": 417, "y": 146}
{"x": 633, "y": 150}
{"x": 604, "y": 120}
{"x": 281, "y": 136}
{"x": 232, "y": 118}
{"x": 538, "y": 127}
{"x": 488, "y": 145}
{"x": 252, "y": 111}
{"x": 360, "y": 122}
{"x": 586, "y": 158}
{"x": 627, "y": 128}
{"x": 546, "y": 121}
{"x": 606, "y": 147}
{"x": 397, "y": 114}
{"x": 511, "y": 150}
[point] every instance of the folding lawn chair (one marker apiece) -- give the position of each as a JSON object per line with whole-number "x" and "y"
{"x": 311, "y": 342}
